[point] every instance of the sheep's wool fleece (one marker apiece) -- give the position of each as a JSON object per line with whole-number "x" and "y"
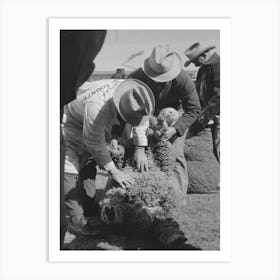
{"x": 203, "y": 167}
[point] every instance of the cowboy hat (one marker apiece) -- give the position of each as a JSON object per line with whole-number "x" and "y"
{"x": 196, "y": 50}
{"x": 160, "y": 64}
{"x": 134, "y": 101}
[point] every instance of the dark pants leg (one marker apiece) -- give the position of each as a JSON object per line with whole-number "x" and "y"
{"x": 72, "y": 198}
{"x": 216, "y": 136}
{"x": 87, "y": 188}
{"x": 79, "y": 196}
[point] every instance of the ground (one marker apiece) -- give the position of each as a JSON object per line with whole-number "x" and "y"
{"x": 201, "y": 226}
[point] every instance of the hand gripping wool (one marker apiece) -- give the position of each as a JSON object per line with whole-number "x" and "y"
{"x": 151, "y": 205}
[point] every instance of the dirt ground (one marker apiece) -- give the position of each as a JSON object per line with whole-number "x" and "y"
{"x": 201, "y": 227}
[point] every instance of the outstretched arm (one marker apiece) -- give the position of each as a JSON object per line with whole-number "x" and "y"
{"x": 190, "y": 102}
{"x": 95, "y": 121}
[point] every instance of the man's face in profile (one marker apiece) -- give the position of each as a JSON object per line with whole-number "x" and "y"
{"x": 200, "y": 60}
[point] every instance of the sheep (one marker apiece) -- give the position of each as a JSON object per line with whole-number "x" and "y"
{"x": 146, "y": 211}
{"x": 151, "y": 205}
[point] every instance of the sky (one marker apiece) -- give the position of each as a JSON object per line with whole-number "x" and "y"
{"x": 119, "y": 45}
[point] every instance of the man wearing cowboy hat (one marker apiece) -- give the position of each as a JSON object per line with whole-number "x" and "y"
{"x": 85, "y": 123}
{"x": 172, "y": 87}
{"x": 208, "y": 88}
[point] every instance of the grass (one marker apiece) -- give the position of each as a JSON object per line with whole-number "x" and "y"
{"x": 202, "y": 223}
{"x": 201, "y": 226}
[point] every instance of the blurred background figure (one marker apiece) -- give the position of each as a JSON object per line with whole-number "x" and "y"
{"x": 78, "y": 49}
{"x": 208, "y": 89}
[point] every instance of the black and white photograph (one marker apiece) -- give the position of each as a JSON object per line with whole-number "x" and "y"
{"x": 140, "y": 139}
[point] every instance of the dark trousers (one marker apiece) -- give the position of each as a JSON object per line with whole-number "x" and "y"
{"x": 79, "y": 198}
{"x": 216, "y": 136}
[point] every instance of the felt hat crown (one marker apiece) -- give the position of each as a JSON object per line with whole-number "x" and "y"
{"x": 194, "y": 51}
{"x": 161, "y": 64}
{"x": 134, "y": 101}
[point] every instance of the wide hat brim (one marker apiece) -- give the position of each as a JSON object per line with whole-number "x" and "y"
{"x": 164, "y": 77}
{"x": 203, "y": 50}
{"x": 119, "y": 92}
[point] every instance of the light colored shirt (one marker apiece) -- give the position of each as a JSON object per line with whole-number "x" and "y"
{"x": 94, "y": 113}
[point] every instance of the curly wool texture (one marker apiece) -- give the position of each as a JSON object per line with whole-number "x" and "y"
{"x": 149, "y": 206}
{"x": 151, "y": 189}
{"x": 152, "y": 202}
{"x": 132, "y": 216}
{"x": 154, "y": 188}
{"x": 117, "y": 156}
{"x": 203, "y": 167}
{"x": 160, "y": 152}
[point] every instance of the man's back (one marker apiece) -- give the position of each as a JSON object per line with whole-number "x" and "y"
{"x": 208, "y": 80}
{"x": 98, "y": 92}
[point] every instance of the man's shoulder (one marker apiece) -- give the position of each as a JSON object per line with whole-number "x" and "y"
{"x": 97, "y": 86}
{"x": 212, "y": 65}
{"x": 214, "y": 59}
{"x": 92, "y": 91}
{"x": 136, "y": 73}
{"x": 183, "y": 78}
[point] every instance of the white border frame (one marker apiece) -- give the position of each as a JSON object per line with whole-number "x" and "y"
{"x": 55, "y": 254}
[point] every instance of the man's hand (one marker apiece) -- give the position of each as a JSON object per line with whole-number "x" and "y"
{"x": 140, "y": 159}
{"x": 169, "y": 133}
{"x": 122, "y": 178}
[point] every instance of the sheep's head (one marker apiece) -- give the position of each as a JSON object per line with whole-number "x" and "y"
{"x": 168, "y": 116}
{"x": 158, "y": 125}
{"x": 113, "y": 208}
{"x": 113, "y": 214}
{"x": 116, "y": 210}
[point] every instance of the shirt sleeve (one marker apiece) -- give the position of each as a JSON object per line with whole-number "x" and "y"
{"x": 96, "y": 118}
{"x": 190, "y": 102}
{"x": 140, "y": 134}
{"x": 216, "y": 74}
